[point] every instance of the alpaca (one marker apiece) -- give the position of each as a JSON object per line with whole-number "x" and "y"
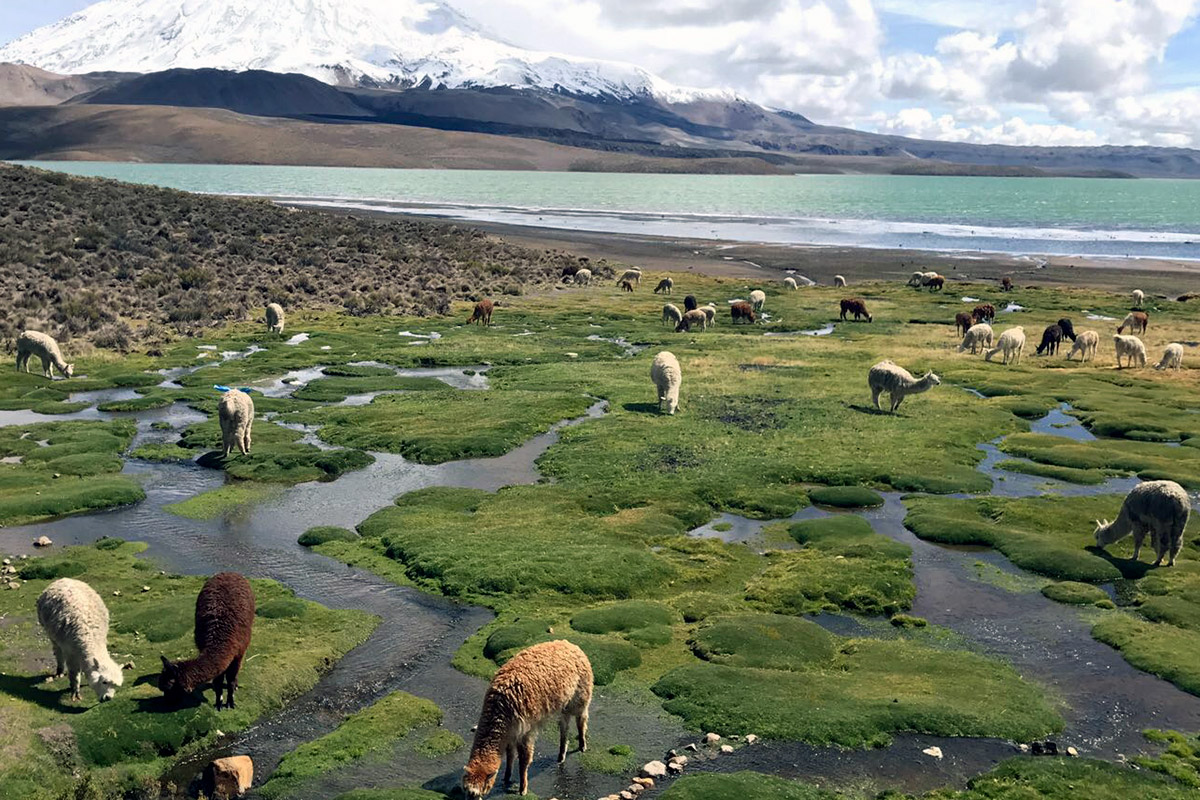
{"x": 1139, "y": 297}
{"x": 692, "y": 319}
{"x": 742, "y": 310}
{"x": 984, "y": 312}
{"x": 626, "y": 286}
{"x": 76, "y": 620}
{"x": 1086, "y": 344}
{"x": 758, "y": 299}
{"x": 274, "y": 318}
{"x": 1131, "y": 349}
{"x": 224, "y": 622}
{"x": 569, "y": 272}
{"x": 962, "y": 323}
{"x": 1136, "y": 321}
{"x": 916, "y": 279}
{"x": 665, "y": 373}
{"x": 1172, "y": 357}
{"x": 235, "y": 412}
{"x": 1011, "y": 344}
{"x": 1160, "y": 508}
{"x": 548, "y": 680}
{"x": 898, "y": 382}
{"x": 483, "y": 312}
{"x": 582, "y": 277}
{"x": 1006, "y": 284}
{"x": 839, "y": 281}
{"x": 789, "y": 283}
{"x": 926, "y": 277}
{"x": 689, "y": 303}
{"x": 36, "y": 343}
{"x": 1068, "y": 329}
{"x": 1051, "y": 339}
{"x": 937, "y": 283}
{"x": 665, "y": 286}
{"x": 633, "y": 275}
{"x": 710, "y": 311}
{"x": 856, "y": 306}
{"x": 672, "y": 314}
{"x": 977, "y": 338}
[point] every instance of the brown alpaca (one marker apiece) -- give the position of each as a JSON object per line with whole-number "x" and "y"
{"x": 742, "y": 310}
{"x": 482, "y": 313}
{"x": 1136, "y": 321}
{"x": 1006, "y": 284}
{"x": 936, "y": 283}
{"x": 224, "y": 620}
{"x": 552, "y": 679}
{"x": 856, "y": 306}
{"x": 985, "y": 312}
{"x": 626, "y": 286}
{"x": 963, "y": 322}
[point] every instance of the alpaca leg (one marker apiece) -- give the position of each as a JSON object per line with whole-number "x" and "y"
{"x": 525, "y": 751}
{"x": 46, "y": 367}
{"x": 1139, "y": 536}
{"x": 581, "y": 722}
{"x": 510, "y": 759}
{"x": 218, "y": 686}
{"x": 75, "y": 676}
{"x": 231, "y": 680}
{"x": 244, "y": 440}
{"x": 897, "y": 399}
{"x": 563, "y": 721}
{"x": 875, "y": 398}
{"x": 1175, "y": 545}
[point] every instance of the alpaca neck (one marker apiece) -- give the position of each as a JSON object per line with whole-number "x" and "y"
{"x": 202, "y": 669}
{"x": 491, "y": 735}
{"x": 922, "y": 385}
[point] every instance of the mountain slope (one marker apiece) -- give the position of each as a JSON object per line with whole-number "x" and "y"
{"x": 23, "y": 85}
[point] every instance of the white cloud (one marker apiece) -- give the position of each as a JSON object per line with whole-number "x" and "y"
{"x": 920, "y": 123}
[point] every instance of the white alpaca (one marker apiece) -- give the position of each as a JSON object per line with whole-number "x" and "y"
{"x": 672, "y": 314}
{"x": 1086, "y": 345}
{"x": 838, "y": 280}
{"x": 1131, "y": 349}
{"x": 1160, "y": 508}
{"x": 710, "y": 311}
{"x": 926, "y": 277}
{"x": 236, "y": 415}
{"x": 1139, "y": 297}
{"x": 1172, "y": 357}
{"x": 583, "y": 278}
{"x": 633, "y": 275}
{"x": 977, "y": 338}
{"x": 667, "y": 376}
{"x": 76, "y": 620}
{"x": 898, "y": 382}
{"x": 274, "y": 318}
{"x": 758, "y": 299}
{"x": 789, "y": 283}
{"x": 36, "y": 343}
{"x": 1011, "y": 344}
{"x": 917, "y": 279}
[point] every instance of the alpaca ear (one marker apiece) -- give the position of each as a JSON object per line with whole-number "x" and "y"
{"x": 167, "y": 665}
{"x": 96, "y": 664}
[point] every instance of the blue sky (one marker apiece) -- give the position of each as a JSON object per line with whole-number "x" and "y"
{"x": 1013, "y": 71}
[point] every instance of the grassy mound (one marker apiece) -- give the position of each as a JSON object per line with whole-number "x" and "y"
{"x": 224, "y": 500}
{"x": 624, "y": 617}
{"x": 809, "y": 581}
{"x": 1159, "y": 649}
{"x": 845, "y": 497}
{"x": 326, "y": 533}
{"x": 608, "y": 656}
{"x": 766, "y": 641}
{"x": 1077, "y": 594}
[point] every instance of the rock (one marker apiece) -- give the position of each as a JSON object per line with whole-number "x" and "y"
{"x": 726, "y": 748}
{"x": 933, "y": 752}
{"x": 1024, "y": 748}
{"x": 127, "y": 665}
{"x": 635, "y": 789}
{"x": 57, "y": 475}
{"x": 42, "y": 541}
{"x": 653, "y": 769}
{"x": 230, "y": 777}
{"x": 645, "y": 783}
{"x": 1071, "y": 751}
{"x": 572, "y": 355}
{"x": 627, "y": 795}
{"x": 6, "y": 561}
{"x": 678, "y": 760}
{"x": 116, "y": 592}
{"x": 145, "y": 588}
{"x": 1051, "y": 748}
{"x": 675, "y": 768}
{"x": 14, "y": 584}
{"x": 711, "y": 738}
{"x": 692, "y": 747}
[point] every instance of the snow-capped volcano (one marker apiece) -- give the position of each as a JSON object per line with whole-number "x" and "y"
{"x": 345, "y": 42}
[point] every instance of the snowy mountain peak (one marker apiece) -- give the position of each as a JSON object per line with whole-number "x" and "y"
{"x": 345, "y": 42}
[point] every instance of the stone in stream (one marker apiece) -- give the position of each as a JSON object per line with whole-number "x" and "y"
{"x": 42, "y": 541}
{"x": 712, "y": 738}
{"x": 683, "y": 760}
{"x": 645, "y": 783}
{"x": 933, "y": 752}
{"x": 654, "y": 769}
{"x": 230, "y": 777}
{"x": 726, "y": 748}
{"x": 751, "y": 738}
{"x": 691, "y": 747}
{"x": 675, "y": 768}
{"x": 1071, "y": 751}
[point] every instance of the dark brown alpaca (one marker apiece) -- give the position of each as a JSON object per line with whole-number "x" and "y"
{"x": 937, "y": 283}
{"x": 626, "y": 286}
{"x": 482, "y": 313}
{"x": 1006, "y": 284}
{"x": 856, "y": 306}
{"x": 963, "y": 322}
{"x": 224, "y": 621}
{"x": 985, "y": 312}
{"x": 742, "y": 310}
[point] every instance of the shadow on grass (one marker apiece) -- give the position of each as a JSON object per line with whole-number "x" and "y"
{"x": 1130, "y": 569}
{"x": 161, "y": 704}
{"x": 35, "y": 690}
{"x": 878, "y": 412}
{"x": 641, "y": 408}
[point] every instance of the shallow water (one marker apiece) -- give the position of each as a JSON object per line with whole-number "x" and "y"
{"x": 824, "y": 330}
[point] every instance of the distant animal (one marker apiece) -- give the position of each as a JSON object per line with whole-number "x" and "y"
{"x": 667, "y": 376}
{"x": 224, "y": 624}
{"x": 235, "y": 412}
{"x": 626, "y": 286}
{"x": 839, "y": 281}
{"x": 916, "y": 279}
{"x": 936, "y": 283}
{"x": 789, "y": 283}
{"x": 856, "y": 306}
{"x": 1006, "y": 284}
{"x": 898, "y": 382}
{"x": 1172, "y": 357}
{"x": 1131, "y": 349}
{"x": 1011, "y": 345}
{"x": 632, "y": 275}
{"x": 76, "y": 621}
{"x": 552, "y": 680}
{"x": 1051, "y": 339}
{"x": 671, "y": 314}
{"x": 583, "y": 277}
{"x": 1068, "y": 329}
{"x": 963, "y": 322}
{"x": 36, "y": 343}
{"x": 1159, "y": 508}
{"x": 984, "y": 312}
{"x": 758, "y": 299}
{"x": 1139, "y": 297}
{"x": 1136, "y": 321}
{"x": 569, "y": 271}
{"x": 692, "y": 319}
{"x": 665, "y": 286}
{"x": 274, "y": 318}
{"x": 689, "y": 303}
{"x": 1086, "y": 344}
{"x": 742, "y": 310}
{"x": 710, "y": 311}
{"x": 977, "y": 338}
{"x": 483, "y": 312}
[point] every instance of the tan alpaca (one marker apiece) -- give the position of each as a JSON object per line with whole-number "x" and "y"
{"x": 552, "y": 679}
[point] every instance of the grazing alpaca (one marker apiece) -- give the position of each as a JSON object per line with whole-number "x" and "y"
{"x": 1160, "y": 508}
{"x": 1011, "y": 344}
{"x": 742, "y": 310}
{"x": 898, "y": 382}
{"x": 224, "y": 622}
{"x": 937, "y": 283}
{"x": 977, "y": 338}
{"x": 916, "y": 279}
{"x": 632, "y": 275}
{"x": 483, "y": 312}
{"x": 1139, "y": 297}
{"x": 36, "y": 343}
{"x": 710, "y": 311}
{"x": 1086, "y": 344}
{"x": 543, "y": 682}
{"x": 626, "y": 286}
{"x": 689, "y": 303}
{"x": 274, "y": 318}
{"x": 856, "y": 306}
{"x": 569, "y": 272}
{"x": 1131, "y": 349}
{"x": 789, "y": 283}
{"x": 839, "y": 281}
{"x": 235, "y": 412}
{"x": 672, "y": 314}
{"x": 583, "y": 277}
{"x": 76, "y": 620}
{"x": 984, "y": 312}
{"x": 1172, "y": 357}
{"x": 1068, "y": 329}
{"x": 692, "y": 319}
{"x": 1136, "y": 321}
{"x": 1006, "y": 284}
{"x": 665, "y": 286}
{"x": 758, "y": 299}
{"x": 667, "y": 376}
{"x": 963, "y": 322}
{"x": 1051, "y": 339}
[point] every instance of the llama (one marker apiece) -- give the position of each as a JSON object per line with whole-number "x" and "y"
{"x": 1136, "y": 321}
{"x": 710, "y": 311}
{"x": 1139, "y": 297}
{"x": 36, "y": 343}
{"x": 542, "y": 682}
{"x": 483, "y": 312}
{"x": 1086, "y": 345}
{"x": 665, "y": 286}
{"x": 984, "y": 312}
{"x": 1172, "y": 357}
{"x": 1011, "y": 344}
{"x": 758, "y": 299}
{"x": 632, "y": 275}
{"x": 692, "y": 319}
{"x": 856, "y": 306}
{"x": 978, "y": 337}
{"x": 1131, "y": 349}
{"x": 224, "y": 622}
{"x": 790, "y": 283}
{"x": 665, "y": 373}
{"x": 689, "y": 303}
{"x": 1006, "y": 284}
{"x": 962, "y": 323}
{"x": 626, "y": 286}
{"x": 839, "y": 281}
{"x": 898, "y": 382}
{"x": 937, "y": 283}
{"x": 274, "y": 318}
{"x": 742, "y": 310}
{"x": 1051, "y": 339}
{"x": 672, "y": 314}
{"x": 582, "y": 277}
{"x": 1068, "y": 329}
{"x": 1160, "y": 508}
{"x": 916, "y": 279}
{"x": 76, "y": 621}
{"x": 235, "y": 412}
